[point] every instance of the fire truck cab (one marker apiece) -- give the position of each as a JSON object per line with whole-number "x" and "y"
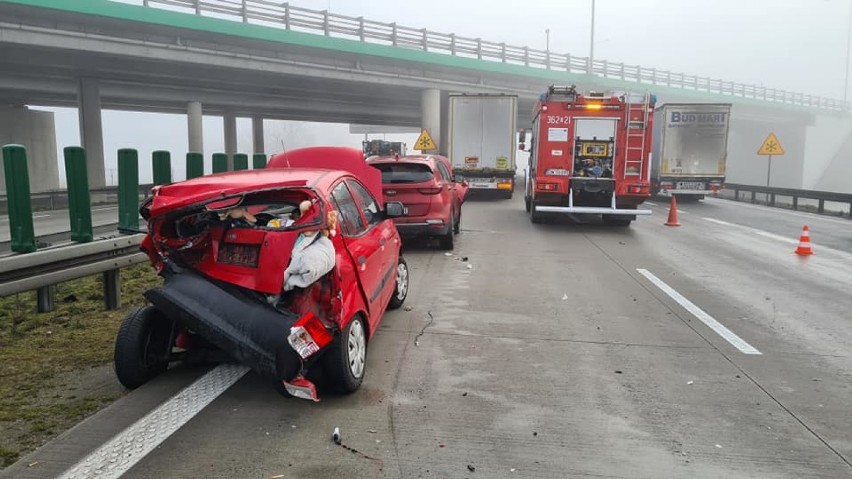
{"x": 590, "y": 154}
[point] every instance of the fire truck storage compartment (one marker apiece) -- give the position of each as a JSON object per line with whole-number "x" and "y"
{"x": 594, "y": 157}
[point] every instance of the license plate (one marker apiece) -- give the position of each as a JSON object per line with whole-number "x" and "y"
{"x": 482, "y": 185}
{"x": 690, "y": 185}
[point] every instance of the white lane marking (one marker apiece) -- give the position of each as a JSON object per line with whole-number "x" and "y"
{"x": 718, "y": 222}
{"x": 128, "y": 447}
{"x": 776, "y": 237}
{"x": 650, "y": 203}
{"x": 699, "y": 313}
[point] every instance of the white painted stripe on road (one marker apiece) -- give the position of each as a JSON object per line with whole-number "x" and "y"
{"x": 650, "y": 203}
{"x": 699, "y": 313}
{"x": 801, "y": 214}
{"x": 127, "y": 448}
{"x": 718, "y": 222}
{"x": 774, "y": 236}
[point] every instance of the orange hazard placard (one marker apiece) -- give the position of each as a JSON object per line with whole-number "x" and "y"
{"x": 771, "y": 146}
{"x": 425, "y": 142}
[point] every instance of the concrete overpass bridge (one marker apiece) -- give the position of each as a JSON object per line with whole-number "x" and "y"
{"x": 264, "y": 59}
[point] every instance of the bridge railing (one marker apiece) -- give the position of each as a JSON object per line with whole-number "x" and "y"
{"x": 283, "y": 15}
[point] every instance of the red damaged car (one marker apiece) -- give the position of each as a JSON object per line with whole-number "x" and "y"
{"x": 287, "y": 270}
{"x": 432, "y": 198}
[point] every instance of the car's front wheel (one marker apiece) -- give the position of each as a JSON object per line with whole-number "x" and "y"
{"x": 346, "y": 358}
{"x": 400, "y": 291}
{"x": 142, "y": 347}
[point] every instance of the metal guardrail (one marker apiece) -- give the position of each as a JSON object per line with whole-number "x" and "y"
{"x": 58, "y": 199}
{"x": 772, "y": 192}
{"x": 42, "y": 269}
{"x": 283, "y": 15}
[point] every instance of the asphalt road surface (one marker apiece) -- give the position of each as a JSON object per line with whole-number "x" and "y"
{"x": 569, "y": 349}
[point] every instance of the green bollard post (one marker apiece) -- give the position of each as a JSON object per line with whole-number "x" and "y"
{"x": 162, "y": 167}
{"x": 258, "y": 161}
{"x": 18, "y": 199}
{"x": 220, "y": 162}
{"x": 240, "y": 161}
{"x": 128, "y": 189}
{"x": 79, "y": 200}
{"x": 194, "y": 165}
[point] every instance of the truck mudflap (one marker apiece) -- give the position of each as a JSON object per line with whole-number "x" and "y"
{"x": 247, "y": 330}
{"x": 591, "y": 210}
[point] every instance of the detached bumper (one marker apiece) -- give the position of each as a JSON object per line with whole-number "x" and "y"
{"x": 247, "y": 330}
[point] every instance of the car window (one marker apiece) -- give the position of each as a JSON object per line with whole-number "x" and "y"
{"x": 366, "y": 202}
{"x": 351, "y": 221}
{"x": 399, "y": 172}
{"x": 445, "y": 173}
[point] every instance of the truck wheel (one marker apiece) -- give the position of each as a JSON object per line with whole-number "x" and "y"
{"x": 447, "y": 241}
{"x": 535, "y": 216}
{"x": 400, "y": 290}
{"x": 616, "y": 220}
{"x": 346, "y": 359}
{"x": 527, "y": 203}
{"x": 142, "y": 346}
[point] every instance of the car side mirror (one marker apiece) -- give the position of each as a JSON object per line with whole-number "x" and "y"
{"x": 395, "y": 209}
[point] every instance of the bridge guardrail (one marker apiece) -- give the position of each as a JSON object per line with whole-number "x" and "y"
{"x": 283, "y": 15}
{"x": 795, "y": 194}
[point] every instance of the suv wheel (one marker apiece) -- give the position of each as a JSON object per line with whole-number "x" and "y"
{"x": 447, "y": 241}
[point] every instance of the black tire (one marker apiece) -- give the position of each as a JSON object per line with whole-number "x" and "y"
{"x": 338, "y": 371}
{"x": 447, "y": 241}
{"x": 142, "y": 346}
{"x": 527, "y": 203}
{"x": 535, "y": 216}
{"x": 403, "y": 282}
{"x": 457, "y": 225}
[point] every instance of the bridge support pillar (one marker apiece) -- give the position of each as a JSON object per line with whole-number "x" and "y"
{"x": 430, "y": 115}
{"x": 91, "y": 130}
{"x": 257, "y": 134}
{"x": 195, "y": 127}
{"x": 230, "y": 138}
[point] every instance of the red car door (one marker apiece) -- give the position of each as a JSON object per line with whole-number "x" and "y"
{"x": 364, "y": 243}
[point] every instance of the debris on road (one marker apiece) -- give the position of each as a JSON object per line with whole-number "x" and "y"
{"x": 279, "y": 476}
{"x": 336, "y": 435}
{"x": 471, "y": 468}
{"x": 718, "y": 446}
{"x": 464, "y": 394}
{"x": 372, "y": 431}
{"x": 469, "y": 266}
{"x": 564, "y": 297}
{"x": 417, "y": 338}
{"x": 70, "y": 299}
{"x": 33, "y": 464}
{"x": 816, "y": 379}
{"x": 535, "y": 433}
{"x": 409, "y": 308}
{"x": 512, "y": 470}
{"x": 617, "y": 372}
{"x": 689, "y": 383}
{"x": 448, "y": 254}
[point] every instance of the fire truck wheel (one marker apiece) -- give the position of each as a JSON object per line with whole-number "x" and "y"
{"x": 346, "y": 358}
{"x": 447, "y": 241}
{"x": 142, "y": 346}
{"x": 527, "y": 203}
{"x": 615, "y": 220}
{"x": 535, "y": 216}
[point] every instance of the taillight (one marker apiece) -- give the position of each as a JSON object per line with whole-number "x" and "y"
{"x": 637, "y": 189}
{"x": 308, "y": 335}
{"x": 430, "y": 191}
{"x": 547, "y": 186}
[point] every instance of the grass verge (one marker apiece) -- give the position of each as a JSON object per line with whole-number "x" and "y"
{"x": 55, "y": 367}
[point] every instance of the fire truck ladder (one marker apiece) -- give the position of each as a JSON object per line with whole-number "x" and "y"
{"x": 633, "y": 163}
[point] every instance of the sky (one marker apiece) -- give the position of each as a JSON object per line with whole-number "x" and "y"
{"x": 799, "y": 45}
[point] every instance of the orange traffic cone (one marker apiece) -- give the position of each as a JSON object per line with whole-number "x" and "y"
{"x": 804, "y": 248}
{"x": 673, "y": 213}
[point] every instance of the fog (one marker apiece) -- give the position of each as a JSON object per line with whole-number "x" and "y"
{"x": 798, "y": 45}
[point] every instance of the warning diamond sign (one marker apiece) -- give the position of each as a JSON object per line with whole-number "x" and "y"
{"x": 424, "y": 141}
{"x": 771, "y": 146}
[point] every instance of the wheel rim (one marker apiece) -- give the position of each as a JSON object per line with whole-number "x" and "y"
{"x": 357, "y": 349}
{"x": 401, "y": 281}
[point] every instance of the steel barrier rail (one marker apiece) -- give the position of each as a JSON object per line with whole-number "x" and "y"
{"x": 42, "y": 269}
{"x": 58, "y": 199}
{"x": 795, "y": 194}
{"x": 283, "y": 15}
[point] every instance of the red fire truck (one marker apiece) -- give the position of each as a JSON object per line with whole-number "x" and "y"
{"x": 590, "y": 154}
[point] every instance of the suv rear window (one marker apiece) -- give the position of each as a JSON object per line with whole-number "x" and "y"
{"x": 404, "y": 172}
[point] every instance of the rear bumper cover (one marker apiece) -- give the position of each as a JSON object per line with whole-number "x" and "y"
{"x": 250, "y": 332}
{"x": 422, "y": 229}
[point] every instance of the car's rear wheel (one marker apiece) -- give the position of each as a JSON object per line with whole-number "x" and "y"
{"x": 400, "y": 291}
{"x": 142, "y": 346}
{"x": 447, "y": 241}
{"x": 457, "y": 224}
{"x": 346, "y": 360}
